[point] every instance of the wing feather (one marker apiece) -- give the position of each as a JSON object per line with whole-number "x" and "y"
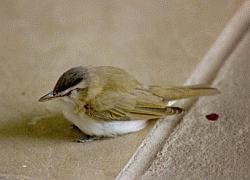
{"x": 173, "y": 93}
{"x": 116, "y": 106}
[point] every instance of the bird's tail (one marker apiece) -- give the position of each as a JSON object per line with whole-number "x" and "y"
{"x": 173, "y": 93}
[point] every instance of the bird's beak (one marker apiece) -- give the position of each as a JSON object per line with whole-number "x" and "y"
{"x": 47, "y": 97}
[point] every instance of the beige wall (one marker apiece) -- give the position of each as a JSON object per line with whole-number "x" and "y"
{"x": 157, "y": 41}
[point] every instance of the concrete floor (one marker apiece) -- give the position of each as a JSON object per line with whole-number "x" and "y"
{"x": 158, "y": 42}
{"x": 203, "y": 149}
{"x": 192, "y": 146}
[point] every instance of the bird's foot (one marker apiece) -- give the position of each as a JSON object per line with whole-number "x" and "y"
{"x": 88, "y": 138}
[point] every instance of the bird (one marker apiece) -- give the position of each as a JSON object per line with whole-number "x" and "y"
{"x": 107, "y": 101}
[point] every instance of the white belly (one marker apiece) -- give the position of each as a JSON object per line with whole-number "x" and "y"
{"x": 99, "y": 127}
{"x": 103, "y": 128}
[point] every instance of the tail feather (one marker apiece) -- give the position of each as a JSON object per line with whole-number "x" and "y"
{"x": 173, "y": 93}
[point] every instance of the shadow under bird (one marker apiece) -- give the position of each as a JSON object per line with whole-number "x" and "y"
{"x": 106, "y": 101}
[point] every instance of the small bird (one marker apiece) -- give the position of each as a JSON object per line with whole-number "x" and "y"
{"x": 105, "y": 101}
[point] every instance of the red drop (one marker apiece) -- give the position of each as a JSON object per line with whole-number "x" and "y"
{"x": 212, "y": 117}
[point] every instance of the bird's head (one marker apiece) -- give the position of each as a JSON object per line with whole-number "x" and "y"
{"x": 73, "y": 80}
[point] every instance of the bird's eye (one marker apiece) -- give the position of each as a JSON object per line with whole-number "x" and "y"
{"x": 68, "y": 93}
{"x": 73, "y": 91}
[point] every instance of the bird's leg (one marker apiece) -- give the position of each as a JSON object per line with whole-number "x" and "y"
{"x": 88, "y": 138}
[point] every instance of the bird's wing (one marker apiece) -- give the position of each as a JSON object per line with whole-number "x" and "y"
{"x": 173, "y": 93}
{"x": 135, "y": 105}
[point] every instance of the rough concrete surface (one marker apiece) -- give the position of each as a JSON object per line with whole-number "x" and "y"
{"x": 192, "y": 147}
{"x": 159, "y": 42}
{"x": 203, "y": 149}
